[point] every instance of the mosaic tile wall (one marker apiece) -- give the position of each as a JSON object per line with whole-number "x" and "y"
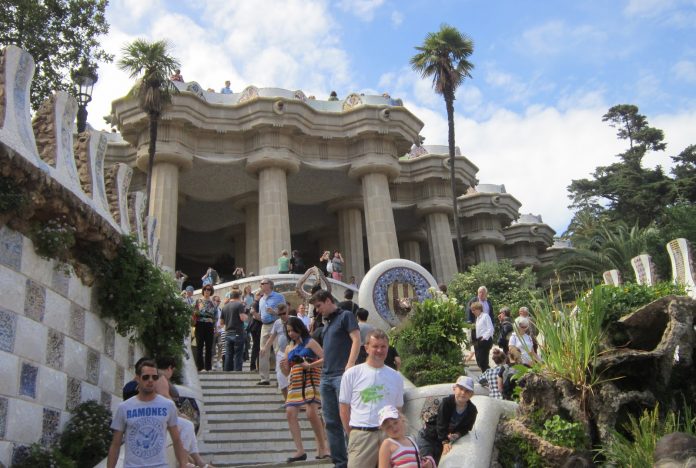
{"x": 55, "y": 352}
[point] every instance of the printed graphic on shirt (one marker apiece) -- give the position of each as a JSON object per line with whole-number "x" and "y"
{"x": 372, "y": 394}
{"x": 146, "y": 439}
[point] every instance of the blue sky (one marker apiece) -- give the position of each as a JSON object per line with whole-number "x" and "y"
{"x": 530, "y": 117}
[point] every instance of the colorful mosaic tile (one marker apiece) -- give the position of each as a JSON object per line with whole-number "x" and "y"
{"x": 8, "y": 330}
{"x": 51, "y": 423}
{"x": 27, "y": 380}
{"x": 10, "y": 248}
{"x": 106, "y": 399}
{"x": 131, "y": 355}
{"x": 60, "y": 281}
{"x": 398, "y": 275}
{"x": 92, "y": 367}
{"x": 19, "y": 453}
{"x": 55, "y": 349}
{"x": 109, "y": 340}
{"x": 77, "y": 322}
{"x": 118, "y": 379}
{"x": 3, "y": 417}
{"x": 35, "y": 300}
{"x": 73, "y": 393}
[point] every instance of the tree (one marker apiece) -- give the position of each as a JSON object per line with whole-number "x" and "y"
{"x": 153, "y": 61}
{"x": 444, "y": 57}
{"x": 59, "y": 34}
{"x": 625, "y": 190}
{"x": 685, "y": 174}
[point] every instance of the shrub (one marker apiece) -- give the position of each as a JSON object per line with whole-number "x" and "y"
{"x": 87, "y": 435}
{"x": 11, "y": 197}
{"x": 53, "y": 239}
{"x": 430, "y": 340}
{"x": 569, "y": 434}
{"x": 516, "y": 452}
{"x": 630, "y": 296}
{"x": 38, "y": 456}
{"x": 506, "y": 285}
{"x": 636, "y": 448}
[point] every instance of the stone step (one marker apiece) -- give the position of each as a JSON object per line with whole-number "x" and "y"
{"x": 243, "y": 399}
{"x": 260, "y": 446}
{"x": 276, "y": 460}
{"x": 214, "y": 376}
{"x": 269, "y": 433}
{"x": 252, "y": 406}
{"x": 245, "y": 424}
{"x": 241, "y": 390}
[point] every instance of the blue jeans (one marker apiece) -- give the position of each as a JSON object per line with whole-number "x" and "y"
{"x": 235, "y": 351}
{"x": 330, "y": 388}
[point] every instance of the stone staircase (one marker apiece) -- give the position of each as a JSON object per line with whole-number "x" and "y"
{"x": 245, "y": 424}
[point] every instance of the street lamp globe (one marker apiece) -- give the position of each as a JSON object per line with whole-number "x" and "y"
{"x": 84, "y": 79}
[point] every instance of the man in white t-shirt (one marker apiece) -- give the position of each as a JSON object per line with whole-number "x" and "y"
{"x": 144, "y": 420}
{"x": 279, "y": 340}
{"x": 366, "y": 389}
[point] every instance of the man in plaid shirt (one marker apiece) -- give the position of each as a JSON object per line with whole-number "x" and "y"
{"x": 490, "y": 377}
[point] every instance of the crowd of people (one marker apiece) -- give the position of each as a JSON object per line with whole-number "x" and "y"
{"x": 334, "y": 367}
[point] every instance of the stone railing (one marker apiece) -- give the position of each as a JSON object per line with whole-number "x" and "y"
{"x": 55, "y": 348}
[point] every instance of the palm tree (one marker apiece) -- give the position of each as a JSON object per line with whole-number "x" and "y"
{"x": 444, "y": 56}
{"x": 153, "y": 61}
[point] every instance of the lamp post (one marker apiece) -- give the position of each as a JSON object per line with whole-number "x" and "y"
{"x": 84, "y": 77}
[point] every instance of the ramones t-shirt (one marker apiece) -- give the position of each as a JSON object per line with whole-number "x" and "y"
{"x": 144, "y": 424}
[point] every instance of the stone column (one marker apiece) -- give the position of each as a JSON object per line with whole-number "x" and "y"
{"x": 272, "y": 166}
{"x": 350, "y": 236}
{"x": 164, "y": 198}
{"x": 410, "y": 250}
{"x": 240, "y": 249}
{"x": 379, "y": 218}
{"x": 485, "y": 253}
{"x": 249, "y": 204}
{"x": 442, "y": 257}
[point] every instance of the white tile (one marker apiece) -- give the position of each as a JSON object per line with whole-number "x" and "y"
{"x": 9, "y": 369}
{"x": 75, "y": 359}
{"x": 107, "y": 371}
{"x": 90, "y": 392}
{"x": 121, "y": 351}
{"x": 12, "y": 289}
{"x": 94, "y": 332}
{"x": 24, "y": 421}
{"x": 57, "y": 314}
{"x": 35, "y": 267}
{"x": 30, "y": 342}
{"x": 80, "y": 293}
{"x": 5, "y": 452}
{"x": 51, "y": 388}
{"x": 115, "y": 401}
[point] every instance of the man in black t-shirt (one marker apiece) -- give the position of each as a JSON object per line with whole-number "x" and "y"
{"x": 233, "y": 317}
{"x": 348, "y": 304}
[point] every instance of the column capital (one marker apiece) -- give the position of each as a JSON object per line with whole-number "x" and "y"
{"x": 276, "y": 157}
{"x": 372, "y": 163}
{"x": 345, "y": 203}
{"x": 416, "y": 235}
{"x": 166, "y": 152}
{"x": 434, "y": 205}
{"x": 243, "y": 201}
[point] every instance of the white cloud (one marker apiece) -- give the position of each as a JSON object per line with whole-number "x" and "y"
{"x": 397, "y": 18}
{"x": 648, "y": 7}
{"x": 363, "y": 9}
{"x": 555, "y": 36}
{"x": 685, "y": 70}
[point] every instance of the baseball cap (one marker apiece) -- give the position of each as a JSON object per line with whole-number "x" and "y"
{"x": 465, "y": 382}
{"x": 189, "y": 288}
{"x": 388, "y": 412}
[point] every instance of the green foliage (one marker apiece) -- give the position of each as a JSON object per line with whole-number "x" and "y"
{"x": 430, "y": 341}
{"x": 636, "y": 448}
{"x": 11, "y": 197}
{"x": 142, "y": 299}
{"x": 506, "y": 285}
{"x": 685, "y": 174}
{"x": 87, "y": 435}
{"x": 39, "y": 456}
{"x": 626, "y": 298}
{"x": 569, "y": 434}
{"x": 59, "y": 34}
{"x": 571, "y": 339}
{"x": 53, "y": 239}
{"x": 516, "y": 452}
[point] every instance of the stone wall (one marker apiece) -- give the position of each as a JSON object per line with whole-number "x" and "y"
{"x": 55, "y": 349}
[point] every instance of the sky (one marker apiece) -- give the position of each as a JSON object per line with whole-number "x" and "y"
{"x": 545, "y": 72}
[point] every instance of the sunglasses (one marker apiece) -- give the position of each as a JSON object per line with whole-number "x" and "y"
{"x": 209, "y": 290}
{"x": 146, "y": 377}
{"x": 264, "y": 284}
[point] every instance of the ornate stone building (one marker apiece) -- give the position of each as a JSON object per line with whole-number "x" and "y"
{"x": 243, "y": 176}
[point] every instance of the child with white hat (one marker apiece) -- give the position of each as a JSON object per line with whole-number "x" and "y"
{"x": 398, "y": 449}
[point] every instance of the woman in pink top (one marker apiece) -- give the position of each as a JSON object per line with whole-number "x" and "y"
{"x": 398, "y": 450}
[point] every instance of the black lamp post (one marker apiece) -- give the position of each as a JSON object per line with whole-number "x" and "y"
{"x": 84, "y": 77}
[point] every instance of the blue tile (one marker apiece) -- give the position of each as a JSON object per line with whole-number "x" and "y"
{"x": 77, "y": 322}
{"x": 106, "y": 400}
{"x": 51, "y": 423}
{"x": 10, "y": 248}
{"x": 8, "y": 330}
{"x": 60, "y": 281}
{"x": 3, "y": 416}
{"x": 35, "y": 300}
{"x": 27, "y": 380}
{"x": 19, "y": 453}
{"x": 119, "y": 379}
{"x": 109, "y": 340}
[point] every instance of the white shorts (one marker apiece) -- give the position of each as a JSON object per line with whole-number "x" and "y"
{"x": 282, "y": 378}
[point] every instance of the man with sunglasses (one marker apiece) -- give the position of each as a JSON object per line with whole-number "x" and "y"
{"x": 268, "y": 309}
{"x": 143, "y": 421}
